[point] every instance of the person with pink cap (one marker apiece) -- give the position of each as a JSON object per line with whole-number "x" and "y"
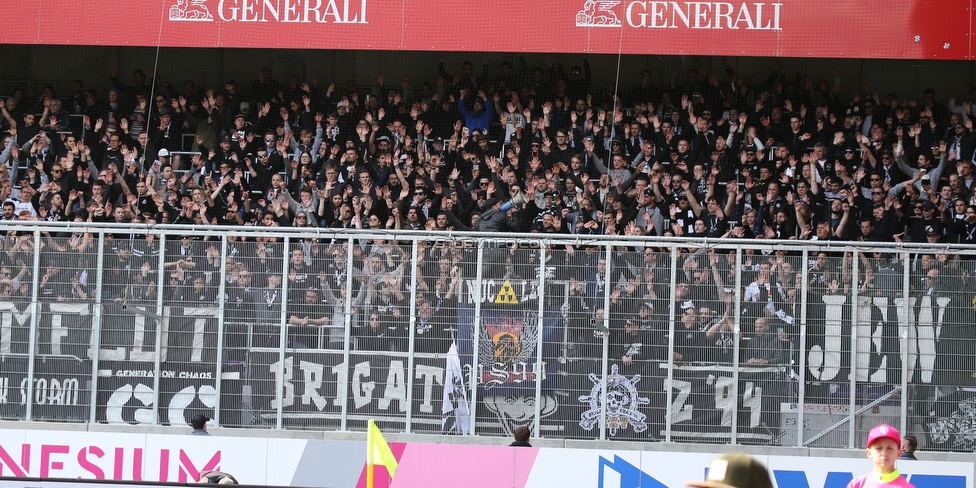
{"x": 884, "y": 448}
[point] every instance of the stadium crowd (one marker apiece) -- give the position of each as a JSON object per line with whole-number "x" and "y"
{"x": 513, "y": 149}
{"x": 519, "y": 148}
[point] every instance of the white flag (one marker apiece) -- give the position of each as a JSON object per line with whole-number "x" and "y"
{"x": 456, "y": 417}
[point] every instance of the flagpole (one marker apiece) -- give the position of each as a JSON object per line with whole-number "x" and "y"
{"x": 378, "y": 452}
{"x": 369, "y": 453}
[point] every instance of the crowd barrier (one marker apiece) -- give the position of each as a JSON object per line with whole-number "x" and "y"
{"x": 41, "y": 458}
{"x": 677, "y": 340}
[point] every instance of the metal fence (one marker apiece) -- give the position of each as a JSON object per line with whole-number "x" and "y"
{"x": 750, "y": 342}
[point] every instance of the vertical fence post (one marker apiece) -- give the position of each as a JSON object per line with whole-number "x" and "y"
{"x": 852, "y": 371}
{"x": 35, "y": 319}
{"x": 802, "y": 374}
{"x": 347, "y": 334}
{"x": 905, "y": 337}
{"x": 160, "y": 323}
{"x": 411, "y": 333}
{"x": 221, "y": 305}
{"x": 539, "y": 368}
{"x": 608, "y": 257}
{"x": 282, "y": 335}
{"x": 672, "y": 330}
{"x": 476, "y": 332}
{"x": 96, "y": 335}
{"x": 736, "y": 349}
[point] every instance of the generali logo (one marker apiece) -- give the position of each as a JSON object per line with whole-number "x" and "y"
{"x": 333, "y": 11}
{"x": 598, "y": 13}
{"x": 683, "y": 15}
{"x": 190, "y": 10}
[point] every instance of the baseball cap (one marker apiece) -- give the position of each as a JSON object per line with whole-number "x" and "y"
{"x": 884, "y": 431}
{"x": 928, "y": 204}
{"x": 931, "y": 230}
{"x": 199, "y": 419}
{"x": 735, "y": 470}
{"x": 492, "y": 202}
{"x": 163, "y": 153}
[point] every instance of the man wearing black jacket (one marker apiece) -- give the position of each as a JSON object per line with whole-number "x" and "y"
{"x": 521, "y": 437}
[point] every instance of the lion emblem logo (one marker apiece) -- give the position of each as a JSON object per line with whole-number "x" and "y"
{"x": 190, "y": 10}
{"x": 598, "y": 13}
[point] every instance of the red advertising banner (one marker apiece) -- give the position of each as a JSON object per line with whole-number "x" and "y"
{"x": 903, "y": 29}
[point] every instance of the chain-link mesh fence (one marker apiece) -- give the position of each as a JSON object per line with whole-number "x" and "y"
{"x": 682, "y": 341}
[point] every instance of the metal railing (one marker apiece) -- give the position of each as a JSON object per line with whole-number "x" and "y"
{"x": 721, "y": 341}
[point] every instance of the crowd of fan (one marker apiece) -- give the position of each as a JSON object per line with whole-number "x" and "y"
{"x": 513, "y": 149}
{"x": 518, "y": 149}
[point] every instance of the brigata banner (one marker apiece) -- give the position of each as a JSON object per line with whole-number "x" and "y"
{"x": 312, "y": 383}
{"x": 906, "y": 29}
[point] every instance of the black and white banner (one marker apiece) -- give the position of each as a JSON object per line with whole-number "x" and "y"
{"x": 952, "y": 424}
{"x": 936, "y": 334}
{"x": 312, "y": 381}
{"x": 126, "y": 333}
{"x": 704, "y": 401}
{"x": 63, "y": 328}
{"x": 126, "y": 392}
{"x": 188, "y": 334}
{"x": 935, "y": 331}
{"x": 61, "y": 388}
{"x": 187, "y": 371}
